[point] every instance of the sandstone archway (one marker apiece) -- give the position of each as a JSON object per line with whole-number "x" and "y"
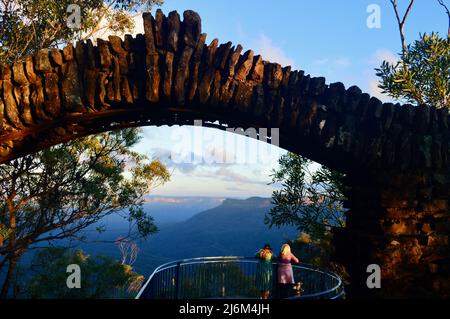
{"x": 396, "y": 157}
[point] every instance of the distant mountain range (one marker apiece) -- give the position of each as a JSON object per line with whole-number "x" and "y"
{"x": 195, "y": 227}
{"x": 165, "y": 209}
{"x": 236, "y": 227}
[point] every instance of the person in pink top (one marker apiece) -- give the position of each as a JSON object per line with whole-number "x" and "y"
{"x": 285, "y": 272}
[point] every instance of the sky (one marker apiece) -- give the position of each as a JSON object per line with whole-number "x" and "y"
{"x": 337, "y": 39}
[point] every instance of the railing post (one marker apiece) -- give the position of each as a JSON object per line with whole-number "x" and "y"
{"x": 177, "y": 281}
{"x": 224, "y": 268}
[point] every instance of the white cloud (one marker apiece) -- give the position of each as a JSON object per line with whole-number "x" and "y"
{"x": 104, "y": 32}
{"x": 374, "y": 62}
{"x": 383, "y": 55}
{"x": 271, "y": 52}
{"x": 211, "y": 157}
{"x": 138, "y": 24}
{"x": 342, "y": 62}
{"x": 228, "y": 174}
{"x": 374, "y": 90}
{"x": 321, "y": 61}
{"x": 220, "y": 155}
{"x": 240, "y": 32}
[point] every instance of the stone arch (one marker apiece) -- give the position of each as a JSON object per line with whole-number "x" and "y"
{"x": 396, "y": 157}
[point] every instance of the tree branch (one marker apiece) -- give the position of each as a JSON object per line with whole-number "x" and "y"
{"x": 401, "y": 23}
{"x": 441, "y": 2}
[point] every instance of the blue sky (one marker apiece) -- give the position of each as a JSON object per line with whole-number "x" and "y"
{"x": 327, "y": 38}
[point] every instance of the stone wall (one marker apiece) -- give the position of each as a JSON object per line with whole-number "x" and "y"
{"x": 400, "y": 222}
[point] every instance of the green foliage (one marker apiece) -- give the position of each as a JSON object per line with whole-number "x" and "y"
{"x": 58, "y": 192}
{"x": 318, "y": 252}
{"x": 145, "y": 223}
{"x": 4, "y": 233}
{"x": 101, "y": 277}
{"x": 55, "y": 193}
{"x": 311, "y": 201}
{"x": 69, "y": 187}
{"x": 422, "y": 74}
{"x": 28, "y": 25}
{"x": 312, "y": 250}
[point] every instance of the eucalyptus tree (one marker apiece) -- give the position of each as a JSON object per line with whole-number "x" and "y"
{"x": 60, "y": 191}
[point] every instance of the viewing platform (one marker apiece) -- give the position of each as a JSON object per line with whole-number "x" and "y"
{"x": 234, "y": 278}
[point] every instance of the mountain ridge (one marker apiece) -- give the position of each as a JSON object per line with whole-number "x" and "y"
{"x": 236, "y": 227}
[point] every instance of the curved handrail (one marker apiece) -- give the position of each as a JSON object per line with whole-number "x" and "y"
{"x": 179, "y": 262}
{"x": 221, "y": 259}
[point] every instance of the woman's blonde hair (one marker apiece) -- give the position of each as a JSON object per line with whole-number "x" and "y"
{"x": 285, "y": 249}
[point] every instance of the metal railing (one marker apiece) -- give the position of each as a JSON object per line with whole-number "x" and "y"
{"x": 234, "y": 277}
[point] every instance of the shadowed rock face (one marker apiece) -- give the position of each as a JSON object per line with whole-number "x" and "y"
{"x": 396, "y": 156}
